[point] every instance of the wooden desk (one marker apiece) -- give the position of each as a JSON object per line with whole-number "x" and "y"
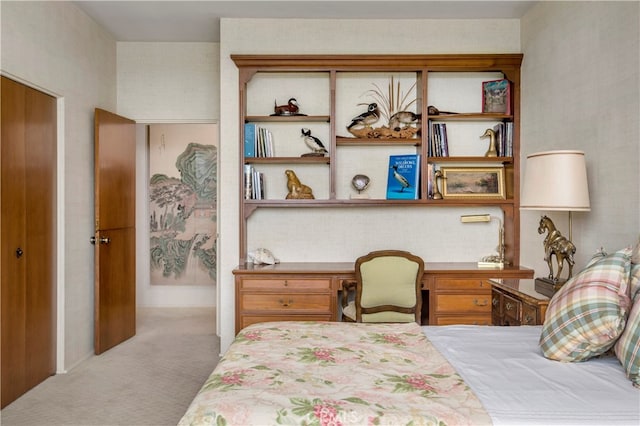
{"x": 453, "y": 292}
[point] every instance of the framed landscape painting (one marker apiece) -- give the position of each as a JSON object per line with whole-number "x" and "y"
{"x": 473, "y": 182}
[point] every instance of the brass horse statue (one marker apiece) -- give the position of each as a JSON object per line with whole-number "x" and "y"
{"x": 556, "y": 244}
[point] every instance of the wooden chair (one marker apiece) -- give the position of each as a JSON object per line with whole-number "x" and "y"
{"x": 387, "y": 288}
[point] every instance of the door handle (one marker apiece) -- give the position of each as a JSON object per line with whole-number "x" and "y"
{"x": 103, "y": 240}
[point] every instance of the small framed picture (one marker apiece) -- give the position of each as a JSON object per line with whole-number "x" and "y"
{"x": 496, "y": 96}
{"x": 473, "y": 182}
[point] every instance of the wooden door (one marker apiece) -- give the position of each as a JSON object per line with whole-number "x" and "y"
{"x": 27, "y": 222}
{"x": 115, "y": 251}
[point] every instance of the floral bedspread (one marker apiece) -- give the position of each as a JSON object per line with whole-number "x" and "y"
{"x": 330, "y": 373}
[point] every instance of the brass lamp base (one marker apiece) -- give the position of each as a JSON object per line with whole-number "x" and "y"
{"x": 547, "y": 286}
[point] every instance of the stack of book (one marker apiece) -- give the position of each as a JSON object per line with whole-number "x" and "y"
{"x": 504, "y": 139}
{"x": 438, "y": 143}
{"x": 253, "y": 183}
{"x": 258, "y": 141}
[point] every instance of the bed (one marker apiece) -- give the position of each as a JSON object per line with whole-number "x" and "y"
{"x": 321, "y": 373}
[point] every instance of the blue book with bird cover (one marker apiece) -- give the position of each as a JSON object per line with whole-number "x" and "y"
{"x": 403, "y": 182}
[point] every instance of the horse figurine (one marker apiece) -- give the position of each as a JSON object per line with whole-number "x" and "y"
{"x": 556, "y": 244}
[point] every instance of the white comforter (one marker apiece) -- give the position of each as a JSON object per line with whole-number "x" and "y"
{"x": 518, "y": 386}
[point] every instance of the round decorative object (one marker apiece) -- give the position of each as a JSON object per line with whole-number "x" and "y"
{"x": 360, "y": 182}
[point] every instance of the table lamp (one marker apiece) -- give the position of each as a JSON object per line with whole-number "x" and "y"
{"x": 495, "y": 260}
{"x": 555, "y": 181}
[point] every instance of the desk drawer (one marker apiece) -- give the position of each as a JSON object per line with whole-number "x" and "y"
{"x": 477, "y": 319}
{"x": 305, "y": 284}
{"x": 511, "y": 310}
{"x": 286, "y": 302}
{"x": 462, "y": 303}
{"x": 462, "y": 284}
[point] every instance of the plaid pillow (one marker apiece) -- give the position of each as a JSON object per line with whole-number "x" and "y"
{"x": 628, "y": 345}
{"x": 587, "y": 315}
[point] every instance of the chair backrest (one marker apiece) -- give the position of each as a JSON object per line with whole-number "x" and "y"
{"x": 388, "y": 287}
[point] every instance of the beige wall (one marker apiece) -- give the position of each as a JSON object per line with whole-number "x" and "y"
{"x": 57, "y": 48}
{"x": 166, "y": 83}
{"x": 342, "y": 234}
{"x": 580, "y": 81}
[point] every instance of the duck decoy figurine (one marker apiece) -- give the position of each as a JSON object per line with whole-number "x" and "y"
{"x": 492, "y": 151}
{"x": 312, "y": 142}
{"x": 366, "y": 118}
{"x": 291, "y": 108}
{"x": 403, "y": 117}
{"x": 404, "y": 183}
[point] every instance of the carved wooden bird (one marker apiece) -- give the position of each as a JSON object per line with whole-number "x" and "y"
{"x": 290, "y": 108}
{"x": 296, "y": 189}
{"x": 404, "y": 183}
{"x": 403, "y": 117}
{"x": 366, "y": 118}
{"x": 312, "y": 142}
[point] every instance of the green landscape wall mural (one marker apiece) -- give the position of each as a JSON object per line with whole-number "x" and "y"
{"x": 183, "y": 214}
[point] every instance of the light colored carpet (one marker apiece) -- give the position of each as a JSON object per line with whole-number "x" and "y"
{"x": 148, "y": 380}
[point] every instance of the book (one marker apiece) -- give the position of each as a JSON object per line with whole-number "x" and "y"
{"x": 248, "y": 182}
{"x": 500, "y": 139}
{"x": 438, "y": 142}
{"x": 249, "y": 140}
{"x": 404, "y": 177}
{"x": 496, "y": 96}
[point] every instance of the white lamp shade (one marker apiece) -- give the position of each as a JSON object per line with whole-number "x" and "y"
{"x": 555, "y": 180}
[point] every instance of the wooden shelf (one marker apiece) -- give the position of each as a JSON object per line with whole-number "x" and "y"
{"x": 343, "y": 140}
{"x": 503, "y": 160}
{"x": 471, "y": 116}
{"x": 424, "y": 67}
{"x": 287, "y": 160}
{"x": 252, "y": 205}
{"x": 287, "y": 118}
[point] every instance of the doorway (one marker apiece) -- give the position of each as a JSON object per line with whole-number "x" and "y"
{"x": 176, "y": 220}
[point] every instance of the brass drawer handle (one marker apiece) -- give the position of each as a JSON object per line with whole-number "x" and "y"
{"x": 528, "y": 319}
{"x": 509, "y": 306}
{"x": 478, "y": 303}
{"x": 285, "y": 304}
{"x": 495, "y": 302}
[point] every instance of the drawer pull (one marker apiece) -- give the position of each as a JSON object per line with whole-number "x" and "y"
{"x": 285, "y": 304}
{"x": 495, "y": 301}
{"x": 286, "y": 283}
{"x": 478, "y": 303}
{"x": 528, "y": 319}
{"x": 509, "y": 306}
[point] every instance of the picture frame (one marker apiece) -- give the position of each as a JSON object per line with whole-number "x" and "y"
{"x": 496, "y": 96}
{"x": 473, "y": 182}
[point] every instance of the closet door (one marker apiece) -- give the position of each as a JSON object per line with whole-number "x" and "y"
{"x": 27, "y": 236}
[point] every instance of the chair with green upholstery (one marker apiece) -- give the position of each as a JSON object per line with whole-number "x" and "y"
{"x": 387, "y": 288}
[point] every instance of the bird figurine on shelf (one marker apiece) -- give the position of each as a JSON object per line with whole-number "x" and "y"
{"x": 291, "y": 108}
{"x": 366, "y": 119}
{"x": 404, "y": 183}
{"x": 314, "y": 143}
{"x": 492, "y": 151}
{"x": 296, "y": 189}
{"x": 403, "y": 117}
